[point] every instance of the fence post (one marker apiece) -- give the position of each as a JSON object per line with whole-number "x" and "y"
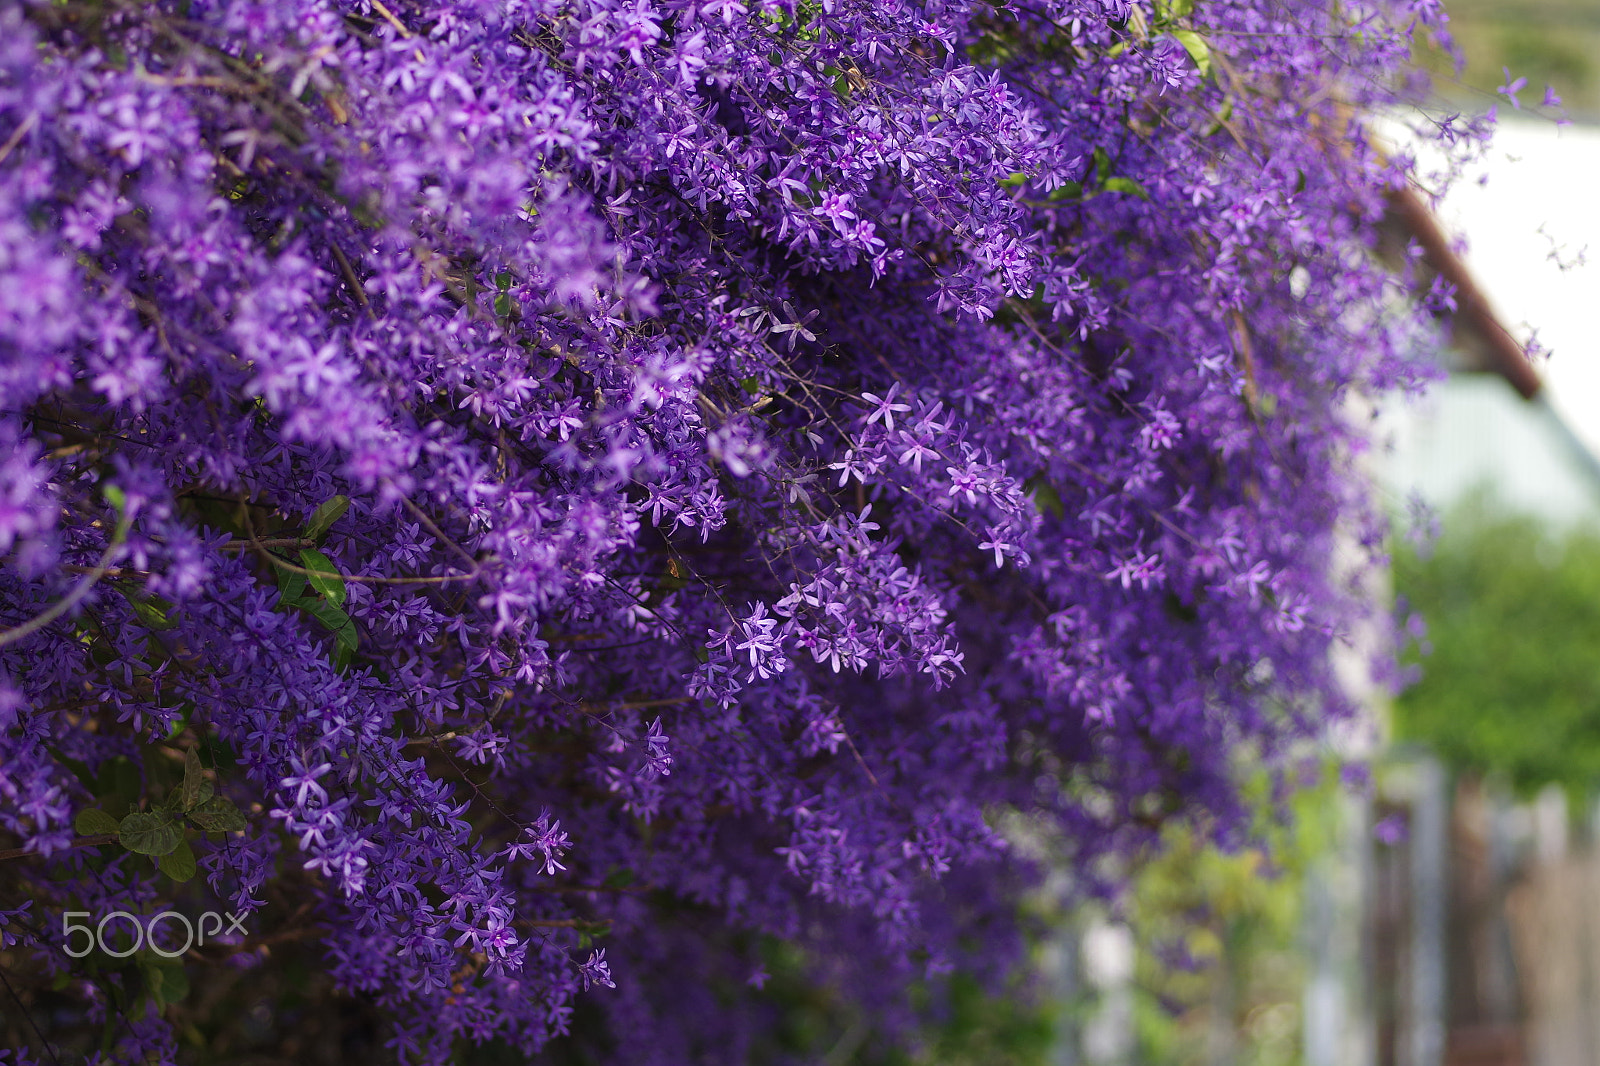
{"x": 1424, "y": 1044}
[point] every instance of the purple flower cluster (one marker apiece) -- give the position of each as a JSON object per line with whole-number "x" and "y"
{"x": 671, "y": 470}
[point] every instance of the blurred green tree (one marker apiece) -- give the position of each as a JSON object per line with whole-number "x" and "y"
{"x": 1510, "y": 660}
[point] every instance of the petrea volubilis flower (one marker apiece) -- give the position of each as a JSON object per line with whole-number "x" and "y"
{"x": 667, "y": 470}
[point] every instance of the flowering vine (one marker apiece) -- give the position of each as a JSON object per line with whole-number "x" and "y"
{"x": 667, "y": 470}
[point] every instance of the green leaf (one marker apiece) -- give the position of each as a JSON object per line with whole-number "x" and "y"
{"x": 1127, "y": 185}
{"x": 323, "y": 518}
{"x": 1045, "y": 496}
{"x": 1197, "y": 48}
{"x": 150, "y": 833}
{"x": 336, "y": 620}
{"x": 218, "y": 815}
{"x": 178, "y": 863}
{"x": 291, "y": 587}
{"x": 197, "y": 788}
{"x": 153, "y": 611}
{"x": 1223, "y": 116}
{"x": 347, "y": 637}
{"x": 167, "y": 984}
{"x": 619, "y": 878}
{"x": 324, "y": 576}
{"x": 1102, "y": 164}
{"x": 1015, "y": 180}
{"x": 94, "y": 822}
{"x": 117, "y": 498}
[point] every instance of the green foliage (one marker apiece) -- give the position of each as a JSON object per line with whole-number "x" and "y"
{"x": 196, "y": 788}
{"x": 1219, "y": 936}
{"x": 323, "y": 576}
{"x": 320, "y": 593}
{"x": 963, "y": 1024}
{"x": 983, "y": 1030}
{"x": 334, "y": 508}
{"x": 217, "y": 815}
{"x": 159, "y": 831}
{"x": 179, "y": 863}
{"x": 164, "y": 980}
{"x": 1197, "y": 48}
{"x": 151, "y": 832}
{"x": 94, "y": 822}
{"x": 1512, "y": 684}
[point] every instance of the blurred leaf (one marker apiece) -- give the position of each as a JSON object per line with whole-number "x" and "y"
{"x": 152, "y": 611}
{"x": 1197, "y": 48}
{"x": 94, "y": 822}
{"x": 1510, "y": 675}
{"x": 619, "y": 878}
{"x": 164, "y": 980}
{"x": 1102, "y": 165}
{"x": 1127, "y": 185}
{"x": 1045, "y": 496}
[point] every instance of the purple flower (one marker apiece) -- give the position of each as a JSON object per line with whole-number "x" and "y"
{"x": 1390, "y": 831}
{"x": 596, "y": 971}
{"x": 1510, "y": 88}
{"x": 430, "y": 376}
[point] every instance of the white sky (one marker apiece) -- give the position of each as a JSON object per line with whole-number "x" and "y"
{"x": 1542, "y": 196}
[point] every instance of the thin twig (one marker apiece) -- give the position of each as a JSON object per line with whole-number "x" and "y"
{"x": 95, "y": 841}
{"x": 79, "y": 591}
{"x": 427, "y": 520}
{"x": 268, "y": 542}
{"x": 389, "y": 17}
{"x": 284, "y": 564}
{"x": 1247, "y": 361}
{"x": 16, "y": 137}
{"x": 350, "y": 279}
{"x": 29, "y": 1015}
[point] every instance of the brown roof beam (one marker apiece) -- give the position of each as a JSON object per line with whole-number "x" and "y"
{"x": 1473, "y": 312}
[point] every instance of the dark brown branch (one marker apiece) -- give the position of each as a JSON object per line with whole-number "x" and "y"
{"x": 82, "y": 842}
